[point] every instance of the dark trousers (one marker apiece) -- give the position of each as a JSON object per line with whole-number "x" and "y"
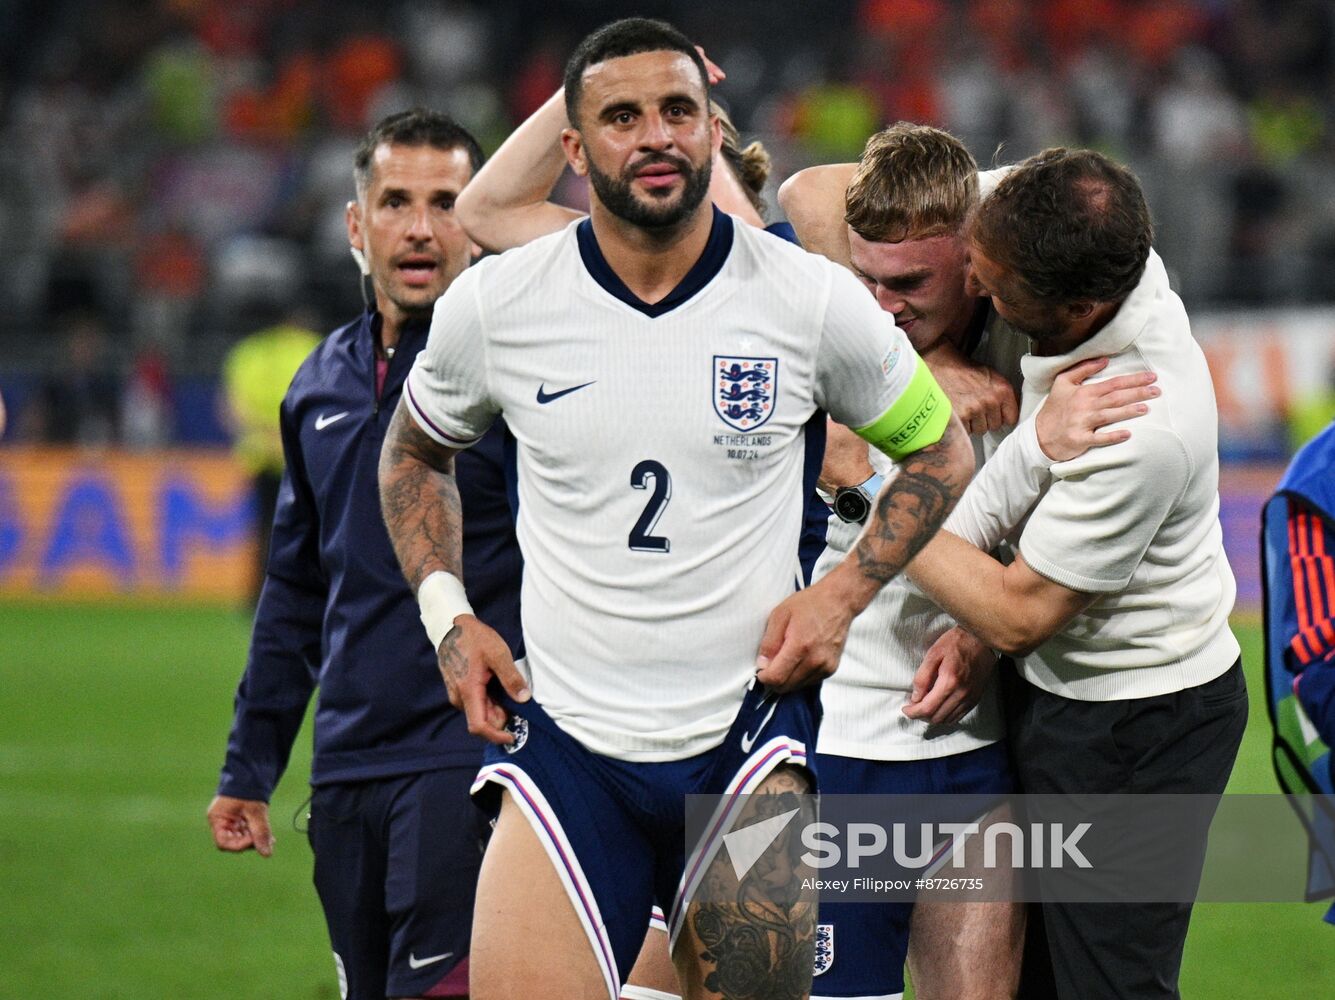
{"x": 396, "y": 867}
{"x": 1179, "y": 743}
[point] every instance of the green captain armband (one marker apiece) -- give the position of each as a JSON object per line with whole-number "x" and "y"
{"x": 918, "y": 418}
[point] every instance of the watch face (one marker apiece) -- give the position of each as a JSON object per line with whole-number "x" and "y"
{"x": 851, "y": 505}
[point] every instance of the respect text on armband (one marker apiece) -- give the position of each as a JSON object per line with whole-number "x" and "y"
{"x": 910, "y": 430}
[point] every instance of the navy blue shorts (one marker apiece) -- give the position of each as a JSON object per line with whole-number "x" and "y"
{"x": 615, "y": 830}
{"x": 396, "y": 866}
{"x": 861, "y": 947}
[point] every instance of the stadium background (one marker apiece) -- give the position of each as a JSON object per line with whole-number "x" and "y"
{"x": 174, "y": 175}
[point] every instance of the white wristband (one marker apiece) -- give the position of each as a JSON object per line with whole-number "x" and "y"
{"x": 442, "y": 599}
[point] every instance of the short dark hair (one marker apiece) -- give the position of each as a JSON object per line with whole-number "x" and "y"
{"x": 414, "y": 127}
{"x": 628, "y": 37}
{"x": 1072, "y": 225}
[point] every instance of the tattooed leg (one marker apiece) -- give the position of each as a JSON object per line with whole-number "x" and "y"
{"x": 755, "y": 939}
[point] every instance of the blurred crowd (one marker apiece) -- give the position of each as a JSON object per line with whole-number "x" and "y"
{"x": 176, "y": 169}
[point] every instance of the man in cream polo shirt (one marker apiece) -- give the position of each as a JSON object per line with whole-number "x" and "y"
{"x": 1118, "y": 598}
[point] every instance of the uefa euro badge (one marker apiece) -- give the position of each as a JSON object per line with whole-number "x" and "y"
{"x": 744, "y": 390}
{"x": 518, "y": 728}
{"x": 824, "y": 948}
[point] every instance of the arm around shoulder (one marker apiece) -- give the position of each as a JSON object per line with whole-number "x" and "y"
{"x": 813, "y": 201}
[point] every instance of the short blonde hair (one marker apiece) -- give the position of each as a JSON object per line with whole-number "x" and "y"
{"x": 913, "y": 181}
{"x": 751, "y": 165}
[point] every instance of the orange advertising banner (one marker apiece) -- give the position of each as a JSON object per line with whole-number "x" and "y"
{"x": 1264, "y": 361}
{"x": 87, "y": 524}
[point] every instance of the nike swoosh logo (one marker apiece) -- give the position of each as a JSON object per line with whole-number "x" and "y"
{"x": 416, "y": 963}
{"x": 321, "y": 422}
{"x": 749, "y": 739}
{"x": 545, "y": 397}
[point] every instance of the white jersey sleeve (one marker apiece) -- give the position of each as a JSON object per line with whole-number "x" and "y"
{"x": 1003, "y": 492}
{"x": 447, "y": 389}
{"x": 869, "y": 377}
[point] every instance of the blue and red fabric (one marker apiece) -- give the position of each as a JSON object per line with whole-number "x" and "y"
{"x": 1298, "y": 577}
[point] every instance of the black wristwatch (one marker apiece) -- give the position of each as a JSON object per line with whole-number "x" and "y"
{"x": 853, "y": 503}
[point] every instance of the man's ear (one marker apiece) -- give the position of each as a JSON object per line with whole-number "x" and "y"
{"x": 716, "y": 134}
{"x": 572, "y": 143}
{"x": 1080, "y": 310}
{"x": 353, "y": 217}
{"x": 356, "y": 240}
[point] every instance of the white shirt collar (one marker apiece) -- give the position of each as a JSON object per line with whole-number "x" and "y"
{"x": 1134, "y": 314}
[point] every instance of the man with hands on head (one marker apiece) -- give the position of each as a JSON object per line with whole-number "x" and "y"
{"x": 666, "y": 652}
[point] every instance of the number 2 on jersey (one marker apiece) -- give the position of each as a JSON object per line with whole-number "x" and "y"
{"x": 640, "y": 538}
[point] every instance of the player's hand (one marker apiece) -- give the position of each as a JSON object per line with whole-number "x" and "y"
{"x": 846, "y": 462}
{"x": 1070, "y": 419}
{"x": 952, "y": 678}
{"x": 240, "y": 824}
{"x": 980, "y": 396}
{"x": 804, "y": 639}
{"x": 470, "y": 655}
{"x": 712, "y": 70}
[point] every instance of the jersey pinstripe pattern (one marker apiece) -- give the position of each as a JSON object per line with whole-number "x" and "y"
{"x": 660, "y": 454}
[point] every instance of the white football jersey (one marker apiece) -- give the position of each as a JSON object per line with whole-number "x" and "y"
{"x": 660, "y": 459}
{"x": 886, "y": 644}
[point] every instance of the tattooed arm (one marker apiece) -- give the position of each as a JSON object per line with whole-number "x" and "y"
{"x": 805, "y": 635}
{"x": 419, "y": 500}
{"x": 909, "y": 510}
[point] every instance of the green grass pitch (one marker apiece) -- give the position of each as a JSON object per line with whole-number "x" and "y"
{"x": 112, "y": 722}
